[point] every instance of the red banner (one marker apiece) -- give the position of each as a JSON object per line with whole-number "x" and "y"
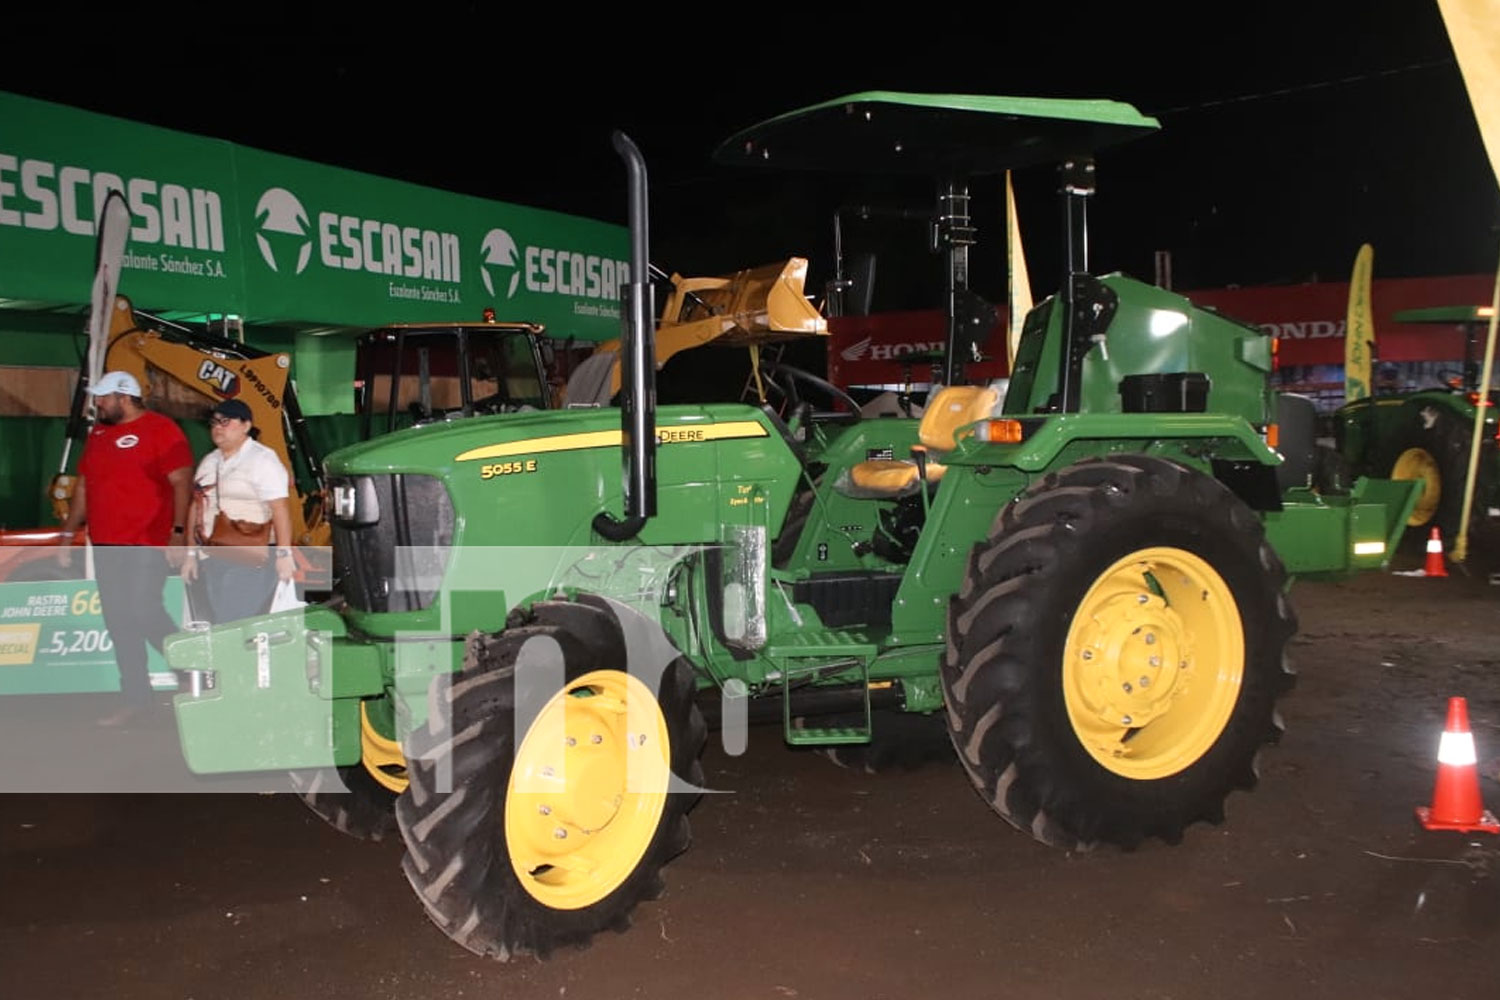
{"x": 890, "y": 348}
{"x": 895, "y": 349}
{"x": 1309, "y": 319}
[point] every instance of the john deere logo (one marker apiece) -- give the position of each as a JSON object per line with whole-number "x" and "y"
{"x": 499, "y": 252}
{"x": 282, "y": 231}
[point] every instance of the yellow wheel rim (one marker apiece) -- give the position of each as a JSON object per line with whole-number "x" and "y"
{"x": 588, "y": 789}
{"x": 1154, "y": 660}
{"x": 381, "y": 755}
{"x": 1418, "y": 463}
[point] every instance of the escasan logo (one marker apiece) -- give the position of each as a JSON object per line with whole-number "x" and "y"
{"x": 283, "y": 230}
{"x": 856, "y": 350}
{"x": 499, "y": 252}
{"x": 128, "y": 441}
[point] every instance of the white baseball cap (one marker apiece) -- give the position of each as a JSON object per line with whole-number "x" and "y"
{"x": 112, "y": 382}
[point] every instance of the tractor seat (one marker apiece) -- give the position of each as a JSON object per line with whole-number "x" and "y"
{"x": 948, "y": 409}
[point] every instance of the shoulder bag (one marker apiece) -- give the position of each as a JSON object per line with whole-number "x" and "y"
{"x": 244, "y": 542}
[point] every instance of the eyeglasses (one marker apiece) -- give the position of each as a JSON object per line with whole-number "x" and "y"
{"x": 219, "y": 421}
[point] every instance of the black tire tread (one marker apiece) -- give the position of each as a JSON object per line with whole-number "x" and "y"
{"x": 348, "y": 799}
{"x": 997, "y": 677}
{"x": 455, "y": 855}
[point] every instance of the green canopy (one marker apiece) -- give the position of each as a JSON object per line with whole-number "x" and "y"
{"x": 1444, "y": 314}
{"x": 933, "y": 134}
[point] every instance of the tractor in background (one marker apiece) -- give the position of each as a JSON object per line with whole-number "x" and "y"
{"x": 1427, "y": 435}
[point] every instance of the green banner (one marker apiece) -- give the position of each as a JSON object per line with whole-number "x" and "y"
{"x": 225, "y": 229}
{"x": 53, "y": 639}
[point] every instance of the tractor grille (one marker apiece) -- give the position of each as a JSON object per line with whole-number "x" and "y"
{"x": 391, "y": 538}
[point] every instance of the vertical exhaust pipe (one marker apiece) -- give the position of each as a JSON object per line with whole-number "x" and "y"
{"x": 1077, "y": 176}
{"x": 638, "y": 410}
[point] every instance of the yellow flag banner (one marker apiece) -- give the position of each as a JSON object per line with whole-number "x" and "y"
{"x": 1018, "y": 282}
{"x": 1359, "y": 328}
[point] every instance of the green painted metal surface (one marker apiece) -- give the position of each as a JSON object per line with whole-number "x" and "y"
{"x": 933, "y": 134}
{"x": 1152, "y": 332}
{"x": 264, "y": 712}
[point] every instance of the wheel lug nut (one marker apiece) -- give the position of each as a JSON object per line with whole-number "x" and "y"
{"x": 570, "y": 741}
{"x": 1141, "y": 598}
{"x": 1156, "y": 661}
{"x": 1150, "y": 638}
{"x": 544, "y": 810}
{"x": 1125, "y": 721}
{"x": 1088, "y": 654}
{"x": 1145, "y": 681}
{"x": 546, "y": 772}
{"x": 596, "y": 739}
{"x": 560, "y": 833}
{"x": 1126, "y": 686}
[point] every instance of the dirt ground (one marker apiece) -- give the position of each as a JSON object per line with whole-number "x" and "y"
{"x": 808, "y": 881}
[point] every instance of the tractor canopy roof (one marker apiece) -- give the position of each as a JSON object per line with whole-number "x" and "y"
{"x": 1445, "y": 314}
{"x": 933, "y": 134}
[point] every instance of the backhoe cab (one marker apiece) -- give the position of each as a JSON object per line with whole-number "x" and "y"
{"x": 1081, "y": 589}
{"x": 406, "y": 374}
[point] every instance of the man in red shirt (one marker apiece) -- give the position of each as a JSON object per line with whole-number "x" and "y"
{"x": 134, "y": 484}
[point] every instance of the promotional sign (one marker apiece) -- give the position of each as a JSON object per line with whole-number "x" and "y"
{"x": 897, "y": 348}
{"x": 1309, "y": 320}
{"x": 224, "y": 229}
{"x": 53, "y": 639}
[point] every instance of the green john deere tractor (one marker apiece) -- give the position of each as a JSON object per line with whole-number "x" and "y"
{"x": 1426, "y": 435}
{"x": 1084, "y": 578}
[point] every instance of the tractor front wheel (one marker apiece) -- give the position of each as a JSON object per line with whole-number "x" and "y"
{"x": 358, "y": 800}
{"x": 1116, "y": 652}
{"x": 549, "y": 785}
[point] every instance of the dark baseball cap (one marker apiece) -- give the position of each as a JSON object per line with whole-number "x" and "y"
{"x": 234, "y": 408}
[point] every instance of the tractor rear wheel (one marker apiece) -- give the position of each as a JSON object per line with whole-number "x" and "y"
{"x": 1116, "y": 652}
{"x": 1434, "y": 448}
{"x": 547, "y": 786}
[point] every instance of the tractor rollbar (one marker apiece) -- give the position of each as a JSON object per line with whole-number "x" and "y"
{"x": 1077, "y": 181}
{"x": 638, "y": 409}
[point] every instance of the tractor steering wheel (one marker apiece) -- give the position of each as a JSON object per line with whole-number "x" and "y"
{"x": 787, "y": 378}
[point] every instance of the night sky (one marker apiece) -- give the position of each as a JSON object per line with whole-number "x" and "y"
{"x": 1291, "y": 133}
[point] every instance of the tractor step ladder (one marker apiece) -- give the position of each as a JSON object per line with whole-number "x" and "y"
{"x": 851, "y": 651}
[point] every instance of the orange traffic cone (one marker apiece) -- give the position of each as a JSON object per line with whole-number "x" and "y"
{"x": 1455, "y": 799}
{"x": 1435, "y": 565}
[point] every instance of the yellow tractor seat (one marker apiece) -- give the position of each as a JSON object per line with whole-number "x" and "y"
{"x": 949, "y": 409}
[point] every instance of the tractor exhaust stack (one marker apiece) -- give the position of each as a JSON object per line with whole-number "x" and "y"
{"x": 638, "y": 405}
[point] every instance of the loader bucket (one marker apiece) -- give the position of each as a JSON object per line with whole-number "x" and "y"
{"x": 757, "y": 305}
